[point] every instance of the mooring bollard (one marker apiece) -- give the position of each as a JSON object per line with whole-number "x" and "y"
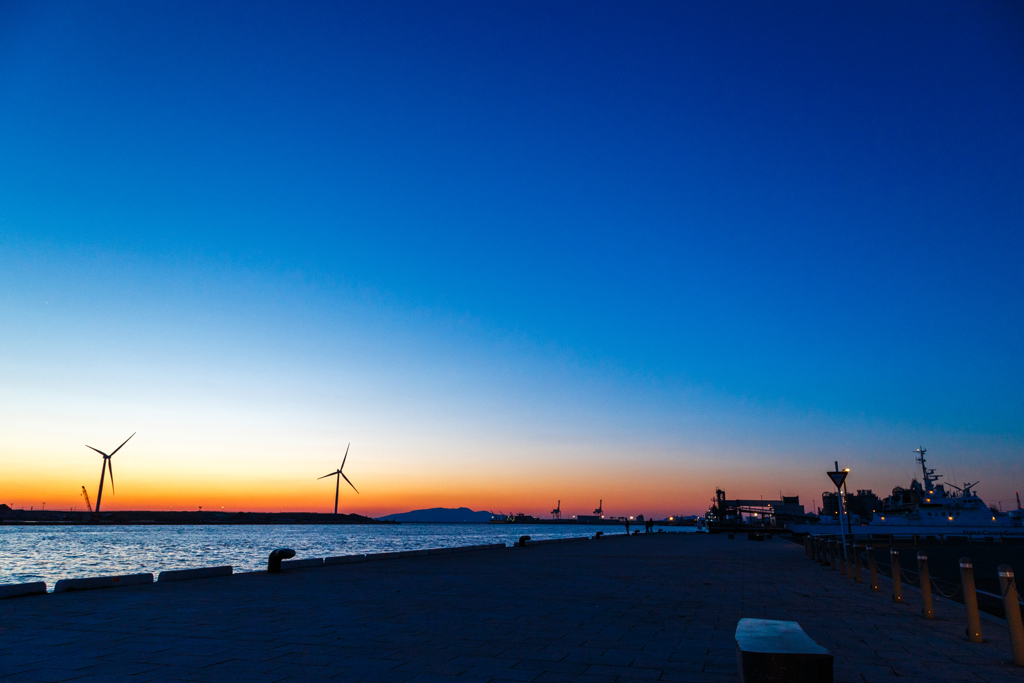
{"x": 872, "y": 567}
{"x": 1012, "y": 608}
{"x": 926, "y": 585}
{"x": 970, "y": 600}
{"x": 598, "y": 535}
{"x": 856, "y": 564}
{"x": 897, "y": 584}
{"x": 522, "y": 541}
{"x": 274, "y": 561}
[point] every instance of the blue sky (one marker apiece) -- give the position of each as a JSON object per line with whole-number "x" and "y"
{"x": 719, "y": 241}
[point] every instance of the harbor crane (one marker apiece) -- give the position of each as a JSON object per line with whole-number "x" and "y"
{"x": 600, "y": 509}
{"x": 557, "y": 512}
{"x": 88, "y": 503}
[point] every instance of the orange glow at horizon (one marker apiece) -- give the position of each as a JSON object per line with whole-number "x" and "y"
{"x": 497, "y": 486}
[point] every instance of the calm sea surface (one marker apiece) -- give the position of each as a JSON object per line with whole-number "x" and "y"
{"x": 49, "y": 553}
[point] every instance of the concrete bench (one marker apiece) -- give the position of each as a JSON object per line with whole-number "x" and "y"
{"x": 95, "y": 582}
{"x": 780, "y": 652}
{"x": 16, "y": 590}
{"x": 191, "y": 574}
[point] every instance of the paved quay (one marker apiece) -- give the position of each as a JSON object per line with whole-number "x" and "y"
{"x": 661, "y": 607}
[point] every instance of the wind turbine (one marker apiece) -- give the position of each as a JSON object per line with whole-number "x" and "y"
{"x": 339, "y": 475}
{"x": 107, "y": 465}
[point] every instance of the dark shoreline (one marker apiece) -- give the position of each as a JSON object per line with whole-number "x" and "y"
{"x": 162, "y": 518}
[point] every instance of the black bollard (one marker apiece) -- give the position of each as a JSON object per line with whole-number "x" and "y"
{"x": 522, "y": 541}
{"x": 274, "y": 562}
{"x": 598, "y": 535}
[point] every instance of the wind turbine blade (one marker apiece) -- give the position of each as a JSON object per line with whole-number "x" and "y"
{"x": 350, "y": 483}
{"x": 125, "y": 441}
{"x": 97, "y": 450}
{"x": 327, "y": 475}
{"x": 110, "y": 466}
{"x": 345, "y": 458}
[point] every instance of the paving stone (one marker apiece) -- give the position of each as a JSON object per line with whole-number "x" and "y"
{"x": 660, "y": 607}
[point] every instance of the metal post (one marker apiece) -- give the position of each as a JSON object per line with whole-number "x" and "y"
{"x": 856, "y": 564}
{"x": 835, "y": 555}
{"x": 1012, "y": 609}
{"x": 839, "y": 497}
{"x": 926, "y": 585}
{"x": 849, "y": 559}
{"x": 970, "y": 600}
{"x": 872, "y": 568}
{"x": 897, "y": 584}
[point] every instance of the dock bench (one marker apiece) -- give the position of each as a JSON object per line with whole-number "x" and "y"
{"x": 780, "y": 652}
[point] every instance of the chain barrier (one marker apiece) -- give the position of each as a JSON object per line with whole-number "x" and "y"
{"x": 903, "y": 573}
{"x": 912, "y": 578}
{"x": 957, "y": 590}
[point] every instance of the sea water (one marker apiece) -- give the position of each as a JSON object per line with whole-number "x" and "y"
{"x": 50, "y": 553}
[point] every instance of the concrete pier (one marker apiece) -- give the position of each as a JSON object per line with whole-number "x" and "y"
{"x": 653, "y": 607}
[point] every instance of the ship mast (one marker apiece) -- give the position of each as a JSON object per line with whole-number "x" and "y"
{"x": 928, "y": 474}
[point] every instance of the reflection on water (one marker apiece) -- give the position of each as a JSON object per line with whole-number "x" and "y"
{"x": 49, "y": 553}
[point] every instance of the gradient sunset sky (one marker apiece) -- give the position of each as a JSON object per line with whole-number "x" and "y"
{"x": 513, "y": 252}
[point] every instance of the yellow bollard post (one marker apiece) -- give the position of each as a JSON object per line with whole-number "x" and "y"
{"x": 872, "y": 568}
{"x": 970, "y": 600}
{"x": 897, "y": 584}
{"x": 926, "y": 585}
{"x": 1012, "y": 608}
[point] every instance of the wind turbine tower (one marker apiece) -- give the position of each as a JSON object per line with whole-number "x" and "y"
{"x": 339, "y": 475}
{"x": 107, "y": 466}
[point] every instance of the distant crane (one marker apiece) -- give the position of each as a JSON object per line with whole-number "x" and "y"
{"x": 557, "y": 512}
{"x": 600, "y": 509}
{"x": 88, "y": 503}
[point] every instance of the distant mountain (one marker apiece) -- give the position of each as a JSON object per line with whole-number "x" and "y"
{"x": 441, "y": 515}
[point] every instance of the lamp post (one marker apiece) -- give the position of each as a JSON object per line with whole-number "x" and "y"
{"x": 846, "y": 495}
{"x": 839, "y": 478}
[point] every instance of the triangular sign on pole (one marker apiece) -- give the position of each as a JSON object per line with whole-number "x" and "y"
{"x": 837, "y": 478}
